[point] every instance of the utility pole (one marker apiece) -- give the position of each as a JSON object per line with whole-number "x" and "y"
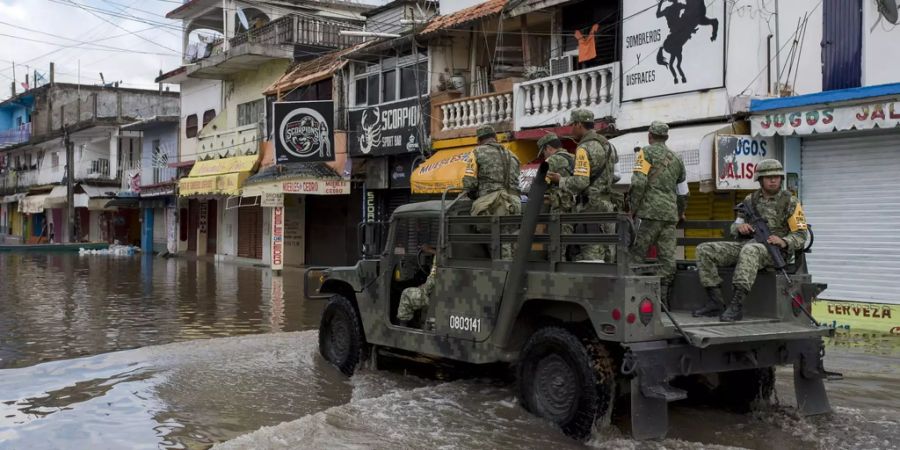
{"x": 70, "y": 185}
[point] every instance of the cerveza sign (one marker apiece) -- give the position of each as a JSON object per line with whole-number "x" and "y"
{"x": 304, "y": 131}
{"x": 390, "y": 128}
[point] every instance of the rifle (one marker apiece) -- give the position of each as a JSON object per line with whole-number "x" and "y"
{"x": 761, "y": 233}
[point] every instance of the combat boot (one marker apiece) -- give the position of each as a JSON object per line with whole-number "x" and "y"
{"x": 714, "y": 306}
{"x": 735, "y": 309}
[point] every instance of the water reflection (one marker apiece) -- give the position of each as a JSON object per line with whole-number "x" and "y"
{"x": 62, "y": 306}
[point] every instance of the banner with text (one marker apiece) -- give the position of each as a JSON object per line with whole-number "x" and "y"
{"x": 671, "y": 47}
{"x": 736, "y": 160}
{"x": 884, "y": 114}
{"x": 390, "y": 129}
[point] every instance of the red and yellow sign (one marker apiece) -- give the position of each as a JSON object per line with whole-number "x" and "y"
{"x": 224, "y": 165}
{"x": 218, "y": 176}
{"x": 447, "y": 167}
{"x": 858, "y": 316}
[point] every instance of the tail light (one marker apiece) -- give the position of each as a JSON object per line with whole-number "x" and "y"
{"x": 616, "y": 314}
{"x": 645, "y": 308}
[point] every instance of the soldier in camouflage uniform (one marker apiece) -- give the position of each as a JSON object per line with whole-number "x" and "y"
{"x": 492, "y": 181}
{"x": 787, "y": 223}
{"x": 658, "y": 199}
{"x": 562, "y": 162}
{"x": 415, "y": 298}
{"x": 592, "y": 179}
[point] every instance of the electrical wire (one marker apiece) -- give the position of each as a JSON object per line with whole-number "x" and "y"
{"x": 114, "y": 24}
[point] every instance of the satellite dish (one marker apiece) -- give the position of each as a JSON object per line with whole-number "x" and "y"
{"x": 888, "y": 10}
{"x": 246, "y": 24}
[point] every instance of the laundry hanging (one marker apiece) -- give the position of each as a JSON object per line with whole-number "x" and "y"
{"x": 587, "y": 48}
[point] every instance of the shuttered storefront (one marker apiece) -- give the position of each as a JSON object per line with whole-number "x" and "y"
{"x": 250, "y": 223}
{"x": 709, "y": 206}
{"x": 851, "y": 196}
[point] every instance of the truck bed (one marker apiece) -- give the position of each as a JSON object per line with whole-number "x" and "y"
{"x": 705, "y": 331}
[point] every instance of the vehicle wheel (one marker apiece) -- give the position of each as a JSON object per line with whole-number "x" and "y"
{"x": 740, "y": 389}
{"x": 341, "y": 339}
{"x": 566, "y": 381}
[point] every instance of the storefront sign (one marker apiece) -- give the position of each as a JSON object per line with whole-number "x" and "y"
{"x": 370, "y": 206}
{"x": 304, "y": 131}
{"x": 672, "y": 47}
{"x": 277, "y": 238}
{"x": 316, "y": 187}
{"x": 224, "y": 165}
{"x": 203, "y": 219}
{"x": 736, "y": 159}
{"x": 227, "y": 184}
{"x": 271, "y": 200}
{"x": 826, "y": 120}
{"x": 858, "y": 316}
{"x": 390, "y": 129}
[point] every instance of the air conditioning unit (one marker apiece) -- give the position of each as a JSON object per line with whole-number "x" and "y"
{"x": 563, "y": 64}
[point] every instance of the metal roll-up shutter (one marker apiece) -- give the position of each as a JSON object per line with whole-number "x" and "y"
{"x": 250, "y": 222}
{"x": 851, "y": 196}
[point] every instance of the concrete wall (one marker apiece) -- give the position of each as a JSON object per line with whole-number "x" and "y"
{"x": 197, "y": 96}
{"x": 9, "y": 114}
{"x": 248, "y": 86}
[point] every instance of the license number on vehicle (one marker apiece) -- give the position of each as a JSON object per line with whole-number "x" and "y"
{"x": 465, "y": 324}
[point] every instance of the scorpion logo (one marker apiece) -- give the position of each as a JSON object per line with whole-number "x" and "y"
{"x": 371, "y": 133}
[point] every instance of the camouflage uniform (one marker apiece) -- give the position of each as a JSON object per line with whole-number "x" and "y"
{"x": 591, "y": 183}
{"x": 415, "y": 298}
{"x": 785, "y": 217}
{"x": 492, "y": 180}
{"x": 657, "y": 198}
{"x": 563, "y": 163}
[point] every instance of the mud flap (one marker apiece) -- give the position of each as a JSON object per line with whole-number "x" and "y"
{"x": 809, "y": 387}
{"x": 649, "y": 416}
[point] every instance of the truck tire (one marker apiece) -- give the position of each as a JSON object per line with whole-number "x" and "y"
{"x": 739, "y": 389}
{"x": 565, "y": 381}
{"x": 341, "y": 339}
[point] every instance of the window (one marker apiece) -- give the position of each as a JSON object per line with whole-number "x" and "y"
{"x": 54, "y": 160}
{"x": 413, "y": 75}
{"x": 157, "y": 154}
{"x": 190, "y": 126}
{"x": 389, "y": 86}
{"x": 360, "y": 98}
{"x": 251, "y": 112}
{"x": 374, "y": 89}
{"x": 208, "y": 116}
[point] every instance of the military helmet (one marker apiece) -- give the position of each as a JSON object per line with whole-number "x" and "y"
{"x": 769, "y": 168}
{"x": 546, "y": 139}
{"x": 485, "y": 131}
{"x": 581, "y": 115}
{"x": 659, "y": 128}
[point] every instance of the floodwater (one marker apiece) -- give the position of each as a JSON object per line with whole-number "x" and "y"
{"x": 103, "y": 352}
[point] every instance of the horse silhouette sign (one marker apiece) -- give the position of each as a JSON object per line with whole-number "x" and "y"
{"x": 672, "y": 46}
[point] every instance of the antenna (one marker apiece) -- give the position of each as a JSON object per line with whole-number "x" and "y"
{"x": 887, "y": 10}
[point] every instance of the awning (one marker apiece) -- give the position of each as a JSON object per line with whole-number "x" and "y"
{"x": 446, "y": 167}
{"x": 218, "y": 176}
{"x": 463, "y": 17}
{"x": 32, "y": 204}
{"x": 56, "y": 198}
{"x": 693, "y": 144}
{"x": 12, "y": 198}
{"x": 314, "y": 70}
{"x": 98, "y": 191}
{"x": 122, "y": 203}
{"x": 305, "y": 178}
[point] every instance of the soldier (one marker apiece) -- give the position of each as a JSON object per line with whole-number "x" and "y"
{"x": 592, "y": 179}
{"x": 492, "y": 181}
{"x": 562, "y": 162}
{"x": 415, "y": 298}
{"x": 787, "y": 223}
{"x": 657, "y": 198}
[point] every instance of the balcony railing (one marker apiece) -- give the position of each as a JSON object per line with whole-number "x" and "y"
{"x": 93, "y": 169}
{"x": 17, "y": 135}
{"x": 130, "y": 176}
{"x": 17, "y": 181}
{"x": 293, "y": 29}
{"x": 547, "y": 101}
{"x": 467, "y": 114}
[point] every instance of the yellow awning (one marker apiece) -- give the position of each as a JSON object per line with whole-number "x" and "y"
{"x": 447, "y": 167}
{"x": 224, "y": 165}
{"x": 227, "y": 184}
{"x": 218, "y": 176}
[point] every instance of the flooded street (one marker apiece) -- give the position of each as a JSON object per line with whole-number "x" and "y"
{"x": 103, "y": 352}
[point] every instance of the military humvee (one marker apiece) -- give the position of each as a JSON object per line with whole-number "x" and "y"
{"x": 578, "y": 335}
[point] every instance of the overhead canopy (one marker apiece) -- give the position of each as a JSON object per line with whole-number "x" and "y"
{"x": 56, "y": 198}
{"x": 446, "y": 167}
{"x": 218, "y": 176}
{"x": 308, "y": 178}
{"x": 464, "y": 17}
{"x": 312, "y": 71}
{"x": 12, "y": 198}
{"x": 32, "y": 204}
{"x": 693, "y": 144}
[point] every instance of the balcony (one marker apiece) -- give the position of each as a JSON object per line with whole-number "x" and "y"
{"x": 15, "y": 135}
{"x": 547, "y": 101}
{"x": 461, "y": 117}
{"x": 96, "y": 169}
{"x": 17, "y": 181}
{"x": 275, "y": 40}
{"x": 240, "y": 141}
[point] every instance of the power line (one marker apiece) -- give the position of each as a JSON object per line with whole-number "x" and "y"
{"x": 93, "y": 10}
{"x": 100, "y": 49}
{"x": 73, "y": 40}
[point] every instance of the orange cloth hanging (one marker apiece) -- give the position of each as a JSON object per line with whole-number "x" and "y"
{"x": 587, "y": 48}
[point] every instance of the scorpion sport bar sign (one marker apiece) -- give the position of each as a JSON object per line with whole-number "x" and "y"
{"x": 304, "y": 131}
{"x": 390, "y": 128}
